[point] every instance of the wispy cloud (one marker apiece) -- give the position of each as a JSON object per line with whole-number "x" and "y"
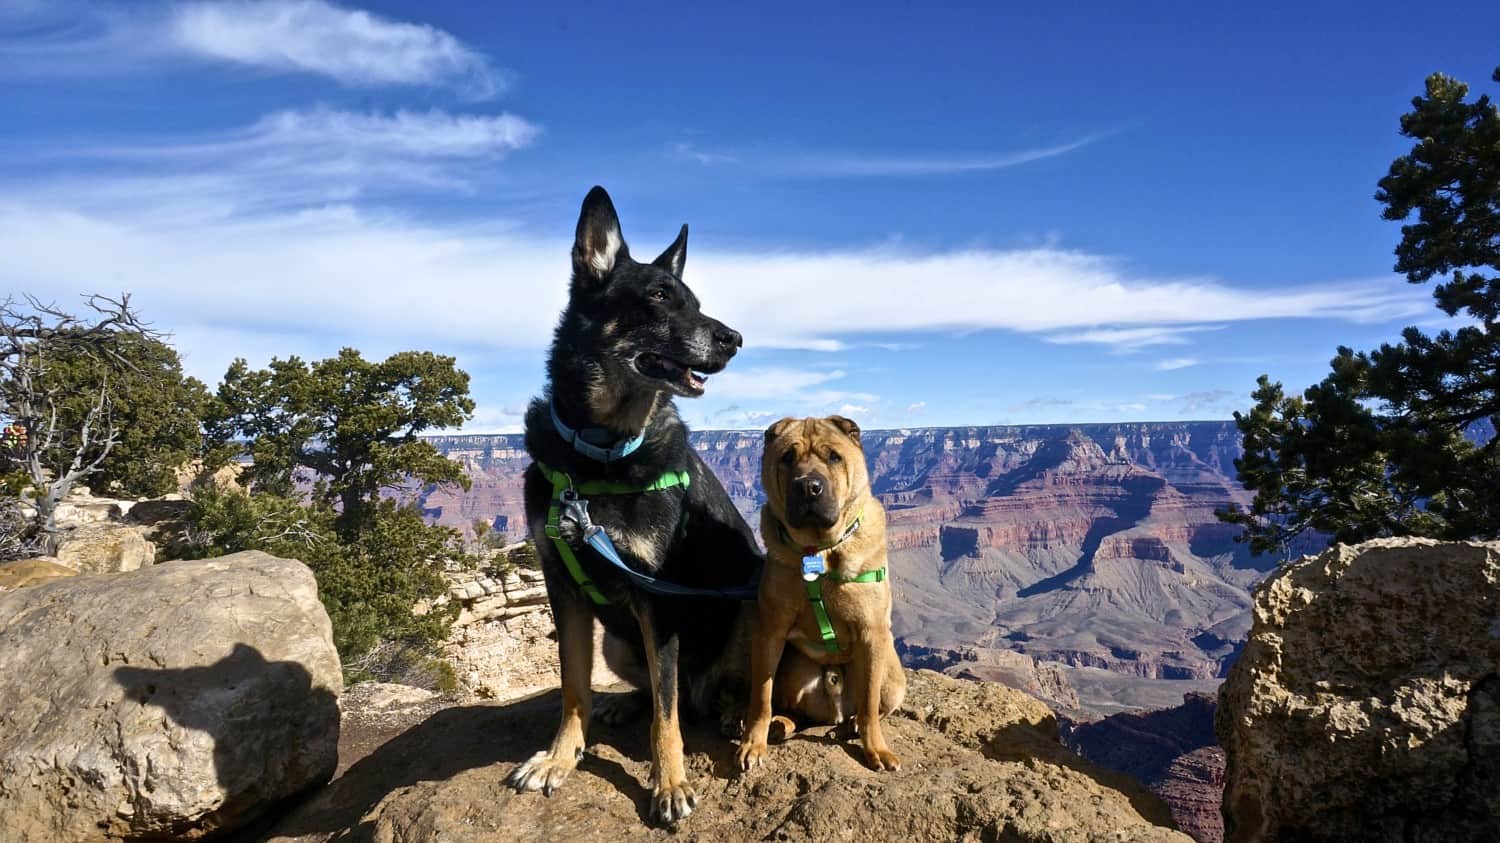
{"x": 848, "y": 164}
{"x": 351, "y": 46}
{"x": 1212, "y": 402}
{"x": 1040, "y": 403}
{"x": 288, "y": 158}
{"x": 865, "y": 164}
{"x": 1128, "y": 340}
{"x": 916, "y": 408}
{"x": 1174, "y": 363}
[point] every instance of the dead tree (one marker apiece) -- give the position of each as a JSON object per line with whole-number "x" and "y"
{"x": 54, "y": 459}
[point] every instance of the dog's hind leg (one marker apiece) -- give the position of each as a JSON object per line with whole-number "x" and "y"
{"x": 672, "y": 798}
{"x": 626, "y": 662}
{"x": 546, "y": 770}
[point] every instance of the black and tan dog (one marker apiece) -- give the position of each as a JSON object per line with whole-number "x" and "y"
{"x": 825, "y": 589}
{"x": 631, "y": 337}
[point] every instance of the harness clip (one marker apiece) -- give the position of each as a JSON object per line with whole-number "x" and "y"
{"x": 576, "y": 510}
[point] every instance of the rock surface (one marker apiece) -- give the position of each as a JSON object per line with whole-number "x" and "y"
{"x": 166, "y": 703}
{"x": 1366, "y": 704}
{"x": 35, "y": 571}
{"x": 1173, "y": 751}
{"x": 104, "y": 547}
{"x": 979, "y": 762}
{"x": 508, "y": 657}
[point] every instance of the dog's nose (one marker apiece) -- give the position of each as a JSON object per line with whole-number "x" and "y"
{"x": 727, "y": 338}
{"x": 812, "y": 487}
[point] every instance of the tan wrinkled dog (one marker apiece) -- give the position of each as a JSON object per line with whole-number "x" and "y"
{"x": 825, "y": 588}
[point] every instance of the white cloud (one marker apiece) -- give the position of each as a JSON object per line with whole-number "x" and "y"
{"x": 1174, "y": 363}
{"x": 848, "y": 164}
{"x": 351, "y": 46}
{"x": 852, "y": 410}
{"x": 339, "y": 268}
{"x": 916, "y": 408}
{"x": 288, "y": 158}
{"x": 857, "y": 164}
{"x": 1128, "y": 340}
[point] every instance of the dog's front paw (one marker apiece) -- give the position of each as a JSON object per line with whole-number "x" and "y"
{"x": 541, "y": 772}
{"x": 752, "y": 754}
{"x": 671, "y": 803}
{"x": 882, "y": 759}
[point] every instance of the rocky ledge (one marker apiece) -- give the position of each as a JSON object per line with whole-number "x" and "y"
{"x": 979, "y": 762}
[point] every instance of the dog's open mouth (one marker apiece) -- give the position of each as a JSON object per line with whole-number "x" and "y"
{"x": 666, "y": 369}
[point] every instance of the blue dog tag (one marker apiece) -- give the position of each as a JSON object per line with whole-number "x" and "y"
{"x": 812, "y": 567}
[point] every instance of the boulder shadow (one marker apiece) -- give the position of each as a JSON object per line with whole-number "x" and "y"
{"x": 266, "y": 720}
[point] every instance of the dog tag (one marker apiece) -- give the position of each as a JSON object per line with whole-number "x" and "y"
{"x": 812, "y": 567}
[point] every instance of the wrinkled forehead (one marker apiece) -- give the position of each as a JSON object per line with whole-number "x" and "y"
{"x": 815, "y": 436}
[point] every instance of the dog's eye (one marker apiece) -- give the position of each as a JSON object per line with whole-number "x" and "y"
{"x": 833, "y": 456}
{"x": 657, "y": 295}
{"x": 789, "y": 457}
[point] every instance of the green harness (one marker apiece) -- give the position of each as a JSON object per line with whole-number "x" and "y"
{"x": 814, "y": 571}
{"x": 562, "y": 483}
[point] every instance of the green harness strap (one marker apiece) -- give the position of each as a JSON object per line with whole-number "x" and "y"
{"x": 815, "y": 585}
{"x": 561, "y": 483}
{"x": 815, "y": 597}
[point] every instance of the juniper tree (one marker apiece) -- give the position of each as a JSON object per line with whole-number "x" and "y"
{"x": 1402, "y": 440}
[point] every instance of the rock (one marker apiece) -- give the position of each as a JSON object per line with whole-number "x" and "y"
{"x": 979, "y": 762}
{"x": 385, "y": 696}
{"x": 1173, "y": 751}
{"x": 106, "y": 548}
{"x": 510, "y": 656}
{"x": 24, "y": 572}
{"x": 164, "y": 703}
{"x": 172, "y": 508}
{"x": 1366, "y": 704}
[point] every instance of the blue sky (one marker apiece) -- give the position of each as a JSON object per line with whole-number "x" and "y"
{"x": 976, "y": 215}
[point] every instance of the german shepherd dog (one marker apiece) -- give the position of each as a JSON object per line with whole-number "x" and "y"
{"x": 631, "y": 337}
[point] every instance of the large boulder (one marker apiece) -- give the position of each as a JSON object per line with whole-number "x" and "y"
{"x": 1366, "y": 704}
{"x": 979, "y": 762}
{"x": 165, "y": 703}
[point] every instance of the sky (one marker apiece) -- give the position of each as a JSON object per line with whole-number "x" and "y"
{"x": 916, "y": 214}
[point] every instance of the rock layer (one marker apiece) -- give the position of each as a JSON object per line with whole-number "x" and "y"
{"x": 165, "y": 703}
{"x": 1173, "y": 751}
{"x": 1366, "y": 704}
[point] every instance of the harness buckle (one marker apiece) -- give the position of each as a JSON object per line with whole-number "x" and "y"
{"x": 576, "y": 510}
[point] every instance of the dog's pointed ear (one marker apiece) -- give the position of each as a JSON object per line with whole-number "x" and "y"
{"x": 598, "y": 245}
{"x": 849, "y": 428}
{"x": 779, "y": 428}
{"x": 675, "y": 256}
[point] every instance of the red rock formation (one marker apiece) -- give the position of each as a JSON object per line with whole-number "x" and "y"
{"x": 1172, "y": 751}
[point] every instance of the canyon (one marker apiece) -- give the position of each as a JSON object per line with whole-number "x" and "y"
{"x": 1093, "y": 547}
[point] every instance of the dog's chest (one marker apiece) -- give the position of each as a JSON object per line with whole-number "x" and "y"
{"x": 642, "y": 527}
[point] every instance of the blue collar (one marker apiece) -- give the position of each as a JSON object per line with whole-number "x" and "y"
{"x": 619, "y": 451}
